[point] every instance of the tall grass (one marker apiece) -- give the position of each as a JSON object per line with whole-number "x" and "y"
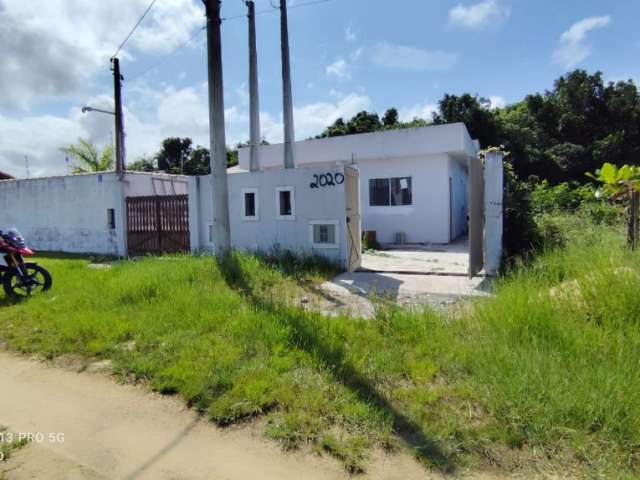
{"x": 543, "y": 375}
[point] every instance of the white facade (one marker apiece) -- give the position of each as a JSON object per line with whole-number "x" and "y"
{"x": 267, "y": 229}
{"x": 434, "y": 158}
{"x": 78, "y": 213}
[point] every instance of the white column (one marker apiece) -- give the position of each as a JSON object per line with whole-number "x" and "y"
{"x": 493, "y": 211}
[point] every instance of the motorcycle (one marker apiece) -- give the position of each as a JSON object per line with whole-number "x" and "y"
{"x": 20, "y": 279}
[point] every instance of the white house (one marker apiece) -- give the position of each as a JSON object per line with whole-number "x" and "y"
{"x": 412, "y": 182}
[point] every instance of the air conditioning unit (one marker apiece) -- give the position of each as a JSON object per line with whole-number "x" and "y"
{"x": 401, "y": 238}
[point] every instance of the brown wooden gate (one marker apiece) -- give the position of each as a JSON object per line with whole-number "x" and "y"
{"x": 158, "y": 224}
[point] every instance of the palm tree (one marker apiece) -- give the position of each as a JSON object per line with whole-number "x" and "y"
{"x": 90, "y": 159}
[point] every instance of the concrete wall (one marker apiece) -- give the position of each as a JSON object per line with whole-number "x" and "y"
{"x": 493, "y": 211}
{"x": 69, "y": 213}
{"x": 459, "y": 175}
{"x": 268, "y": 232}
{"x": 427, "y": 219}
{"x": 66, "y": 214}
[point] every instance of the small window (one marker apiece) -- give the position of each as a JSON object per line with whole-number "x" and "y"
{"x": 384, "y": 192}
{"x": 111, "y": 218}
{"x": 285, "y": 198}
{"x": 379, "y": 192}
{"x": 401, "y": 191}
{"x": 324, "y": 234}
{"x": 250, "y": 204}
{"x": 211, "y": 233}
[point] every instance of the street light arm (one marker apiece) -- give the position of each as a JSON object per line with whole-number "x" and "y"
{"x": 86, "y": 109}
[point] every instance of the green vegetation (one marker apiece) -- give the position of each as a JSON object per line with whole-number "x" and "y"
{"x": 8, "y": 444}
{"x": 89, "y": 158}
{"x": 541, "y": 376}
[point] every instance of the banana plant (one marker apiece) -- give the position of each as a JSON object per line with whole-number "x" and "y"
{"x": 621, "y": 184}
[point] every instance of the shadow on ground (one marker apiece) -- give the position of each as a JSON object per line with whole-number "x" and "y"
{"x": 425, "y": 449}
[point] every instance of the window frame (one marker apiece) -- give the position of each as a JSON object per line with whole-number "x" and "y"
{"x": 256, "y": 198}
{"x": 111, "y": 218}
{"x": 292, "y": 198}
{"x": 389, "y": 191}
{"x": 336, "y": 226}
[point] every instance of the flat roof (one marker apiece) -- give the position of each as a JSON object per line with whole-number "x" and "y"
{"x": 449, "y": 139}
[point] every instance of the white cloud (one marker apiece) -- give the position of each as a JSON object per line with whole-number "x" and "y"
{"x": 573, "y": 47}
{"x": 420, "y": 110}
{"x": 479, "y": 15}
{"x": 56, "y": 47}
{"x": 349, "y": 34}
{"x": 497, "y": 101}
{"x": 339, "y": 69}
{"x": 155, "y": 115}
{"x": 410, "y": 58}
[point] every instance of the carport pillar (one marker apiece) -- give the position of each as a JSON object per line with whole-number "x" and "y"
{"x": 493, "y": 210}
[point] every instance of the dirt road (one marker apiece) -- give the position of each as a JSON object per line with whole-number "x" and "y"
{"x": 86, "y": 426}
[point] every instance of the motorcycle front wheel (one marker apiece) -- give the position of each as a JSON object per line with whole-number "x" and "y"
{"x": 37, "y": 279}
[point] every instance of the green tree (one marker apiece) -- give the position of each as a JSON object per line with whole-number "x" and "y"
{"x": 390, "y": 118}
{"x": 174, "y": 154}
{"x": 481, "y": 122}
{"x": 143, "y": 165}
{"x": 89, "y": 157}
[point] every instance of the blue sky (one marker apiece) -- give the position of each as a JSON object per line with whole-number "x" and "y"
{"x": 347, "y": 55}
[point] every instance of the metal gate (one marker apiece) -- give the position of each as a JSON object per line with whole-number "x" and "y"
{"x": 158, "y": 224}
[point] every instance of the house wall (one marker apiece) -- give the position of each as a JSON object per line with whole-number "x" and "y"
{"x": 311, "y": 204}
{"x": 427, "y": 219}
{"x": 459, "y": 175}
{"x": 421, "y": 153}
{"x": 69, "y": 213}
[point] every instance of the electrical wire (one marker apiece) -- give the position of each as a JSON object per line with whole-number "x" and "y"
{"x": 169, "y": 55}
{"x": 274, "y": 9}
{"x": 195, "y": 34}
{"x": 134, "y": 28}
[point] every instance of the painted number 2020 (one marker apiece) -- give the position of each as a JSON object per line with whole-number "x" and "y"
{"x": 327, "y": 180}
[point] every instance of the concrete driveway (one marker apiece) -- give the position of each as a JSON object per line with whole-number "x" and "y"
{"x": 451, "y": 259}
{"x": 412, "y": 275}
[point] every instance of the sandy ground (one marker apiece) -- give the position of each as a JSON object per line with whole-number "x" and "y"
{"x": 114, "y": 431}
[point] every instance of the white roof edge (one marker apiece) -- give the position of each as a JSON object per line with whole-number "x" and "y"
{"x": 89, "y": 174}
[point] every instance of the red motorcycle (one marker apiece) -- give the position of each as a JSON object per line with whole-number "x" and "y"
{"x": 19, "y": 278}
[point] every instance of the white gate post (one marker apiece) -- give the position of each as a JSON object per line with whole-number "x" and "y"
{"x": 493, "y": 210}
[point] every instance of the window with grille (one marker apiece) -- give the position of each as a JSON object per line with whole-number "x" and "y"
{"x": 324, "y": 234}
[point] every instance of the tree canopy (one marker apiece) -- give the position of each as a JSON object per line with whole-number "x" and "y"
{"x": 89, "y": 158}
{"x": 558, "y": 135}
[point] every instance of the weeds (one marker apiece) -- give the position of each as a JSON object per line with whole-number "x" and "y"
{"x": 548, "y": 364}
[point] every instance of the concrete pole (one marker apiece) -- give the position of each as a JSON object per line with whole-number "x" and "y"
{"x": 287, "y": 96}
{"x": 254, "y": 164}
{"x": 493, "y": 211}
{"x": 219, "y": 187}
{"x": 117, "y": 98}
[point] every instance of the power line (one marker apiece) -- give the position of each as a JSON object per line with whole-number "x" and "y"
{"x": 134, "y": 27}
{"x": 169, "y": 55}
{"x": 275, "y": 9}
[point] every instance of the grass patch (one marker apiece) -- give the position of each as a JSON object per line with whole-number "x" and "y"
{"x": 8, "y": 445}
{"x": 542, "y": 375}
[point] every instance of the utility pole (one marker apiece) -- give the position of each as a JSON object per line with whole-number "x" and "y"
{"x": 220, "y": 195}
{"x": 254, "y": 95}
{"x": 117, "y": 96}
{"x": 287, "y": 96}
